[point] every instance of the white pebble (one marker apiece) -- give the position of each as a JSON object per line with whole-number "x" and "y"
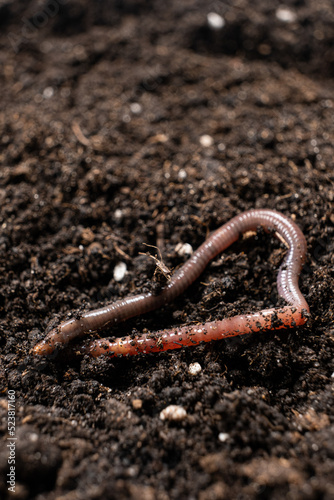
{"x": 136, "y": 108}
{"x": 173, "y": 412}
{"x": 194, "y": 368}
{"x": 285, "y": 15}
{"x": 332, "y": 376}
{"x": 48, "y": 92}
{"x": 215, "y": 21}
{"x": 223, "y": 436}
{"x": 182, "y": 174}
{"x": 32, "y": 436}
{"x": 119, "y": 271}
{"x": 206, "y": 140}
{"x": 118, "y": 214}
{"x": 183, "y": 249}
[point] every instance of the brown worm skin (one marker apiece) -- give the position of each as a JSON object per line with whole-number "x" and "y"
{"x": 292, "y": 315}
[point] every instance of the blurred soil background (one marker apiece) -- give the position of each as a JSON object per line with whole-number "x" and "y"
{"x": 133, "y": 123}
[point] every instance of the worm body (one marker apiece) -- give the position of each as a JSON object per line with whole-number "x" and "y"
{"x": 291, "y": 315}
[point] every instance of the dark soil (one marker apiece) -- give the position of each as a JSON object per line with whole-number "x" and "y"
{"x": 103, "y": 109}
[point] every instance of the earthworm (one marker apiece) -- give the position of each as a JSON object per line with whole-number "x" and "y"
{"x": 288, "y": 316}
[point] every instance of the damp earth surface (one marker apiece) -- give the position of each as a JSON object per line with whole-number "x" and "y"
{"x": 128, "y": 127}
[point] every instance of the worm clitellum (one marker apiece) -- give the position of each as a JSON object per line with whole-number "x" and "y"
{"x": 289, "y": 316}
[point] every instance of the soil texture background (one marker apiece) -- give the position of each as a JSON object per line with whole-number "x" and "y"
{"x": 131, "y": 125}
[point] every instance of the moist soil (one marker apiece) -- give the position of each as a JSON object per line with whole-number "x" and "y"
{"x": 127, "y": 129}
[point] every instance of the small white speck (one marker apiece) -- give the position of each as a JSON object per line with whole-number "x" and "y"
{"x": 332, "y": 376}
{"x": 136, "y": 108}
{"x": 132, "y": 471}
{"x": 118, "y": 214}
{"x": 173, "y": 412}
{"x": 182, "y": 174}
{"x": 33, "y": 437}
{"x": 194, "y": 369}
{"x": 183, "y": 249}
{"x": 48, "y": 92}
{"x": 119, "y": 271}
{"x": 285, "y": 15}
{"x": 223, "y": 436}
{"x": 215, "y": 21}
{"x": 206, "y": 140}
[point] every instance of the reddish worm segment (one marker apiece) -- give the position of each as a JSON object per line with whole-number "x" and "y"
{"x": 289, "y": 316}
